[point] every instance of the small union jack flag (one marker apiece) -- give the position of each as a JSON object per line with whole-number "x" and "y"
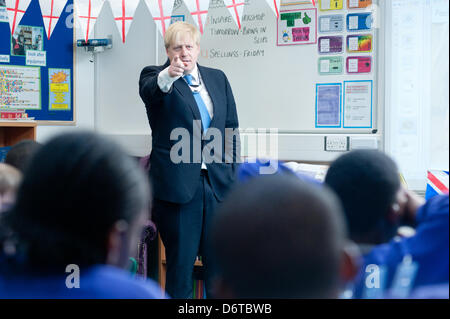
{"x": 437, "y": 183}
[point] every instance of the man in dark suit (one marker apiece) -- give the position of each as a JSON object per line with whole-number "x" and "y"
{"x": 190, "y": 175}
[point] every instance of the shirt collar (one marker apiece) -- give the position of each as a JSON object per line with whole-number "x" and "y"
{"x": 195, "y": 74}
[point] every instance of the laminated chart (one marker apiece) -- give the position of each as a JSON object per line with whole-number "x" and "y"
{"x": 359, "y": 43}
{"x": 59, "y": 89}
{"x": 330, "y": 65}
{"x": 20, "y": 87}
{"x": 331, "y": 5}
{"x": 297, "y": 27}
{"x": 359, "y": 21}
{"x": 357, "y": 4}
{"x": 331, "y": 23}
{"x": 359, "y": 64}
{"x": 331, "y": 45}
{"x": 328, "y": 105}
{"x": 358, "y": 104}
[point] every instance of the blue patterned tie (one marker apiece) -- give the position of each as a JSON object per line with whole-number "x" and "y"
{"x": 206, "y": 119}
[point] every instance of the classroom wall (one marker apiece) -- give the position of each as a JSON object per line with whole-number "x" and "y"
{"x": 119, "y": 112}
{"x": 84, "y": 98}
{"x": 106, "y": 96}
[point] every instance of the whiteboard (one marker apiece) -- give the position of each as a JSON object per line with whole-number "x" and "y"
{"x": 276, "y": 90}
{"x": 275, "y": 86}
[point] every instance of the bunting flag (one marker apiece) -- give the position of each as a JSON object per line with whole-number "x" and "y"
{"x": 161, "y": 11}
{"x": 199, "y": 11}
{"x": 437, "y": 183}
{"x": 16, "y": 10}
{"x": 123, "y": 12}
{"x": 236, "y": 7}
{"x": 275, "y": 6}
{"x": 51, "y": 11}
{"x": 87, "y": 12}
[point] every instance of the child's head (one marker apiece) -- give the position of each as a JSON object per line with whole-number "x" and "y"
{"x": 82, "y": 201}
{"x": 277, "y": 236}
{"x": 368, "y": 184}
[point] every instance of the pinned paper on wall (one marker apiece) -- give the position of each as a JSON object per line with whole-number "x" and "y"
{"x": 359, "y": 64}
{"x": 199, "y": 11}
{"x": 123, "y": 12}
{"x": 16, "y": 10}
{"x": 87, "y": 12}
{"x": 331, "y": 44}
{"x": 359, "y": 21}
{"x": 27, "y": 38}
{"x": 4, "y": 14}
{"x": 330, "y": 65}
{"x": 24, "y": 87}
{"x": 331, "y": 5}
{"x": 356, "y": 4}
{"x": 358, "y": 104}
{"x": 51, "y": 11}
{"x": 236, "y": 8}
{"x": 4, "y": 58}
{"x": 328, "y": 105}
{"x": 36, "y": 58}
{"x": 359, "y": 43}
{"x": 331, "y": 23}
{"x": 59, "y": 89}
{"x": 161, "y": 12}
{"x": 297, "y": 27}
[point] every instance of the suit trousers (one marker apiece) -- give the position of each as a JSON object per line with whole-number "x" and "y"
{"x": 184, "y": 230}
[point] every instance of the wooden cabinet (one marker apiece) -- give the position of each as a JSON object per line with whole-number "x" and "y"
{"x": 162, "y": 263}
{"x": 12, "y": 132}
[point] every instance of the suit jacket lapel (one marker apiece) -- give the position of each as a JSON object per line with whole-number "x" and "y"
{"x": 186, "y": 92}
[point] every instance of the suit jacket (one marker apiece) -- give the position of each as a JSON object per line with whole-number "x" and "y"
{"x": 177, "y": 182}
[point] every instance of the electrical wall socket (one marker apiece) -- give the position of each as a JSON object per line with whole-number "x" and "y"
{"x": 337, "y": 143}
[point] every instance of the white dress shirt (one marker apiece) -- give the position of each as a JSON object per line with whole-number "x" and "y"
{"x": 165, "y": 82}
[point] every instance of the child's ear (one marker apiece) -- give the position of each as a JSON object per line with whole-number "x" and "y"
{"x": 350, "y": 262}
{"x": 115, "y": 241}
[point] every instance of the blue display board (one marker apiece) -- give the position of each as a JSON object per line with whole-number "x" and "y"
{"x": 57, "y": 90}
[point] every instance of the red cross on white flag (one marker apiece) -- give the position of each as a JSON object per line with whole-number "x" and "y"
{"x": 236, "y": 7}
{"x": 123, "y": 12}
{"x": 16, "y": 10}
{"x": 275, "y": 6}
{"x": 87, "y": 12}
{"x": 161, "y": 11}
{"x": 199, "y": 11}
{"x": 51, "y": 11}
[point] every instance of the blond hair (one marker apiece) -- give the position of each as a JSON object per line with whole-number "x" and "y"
{"x": 179, "y": 28}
